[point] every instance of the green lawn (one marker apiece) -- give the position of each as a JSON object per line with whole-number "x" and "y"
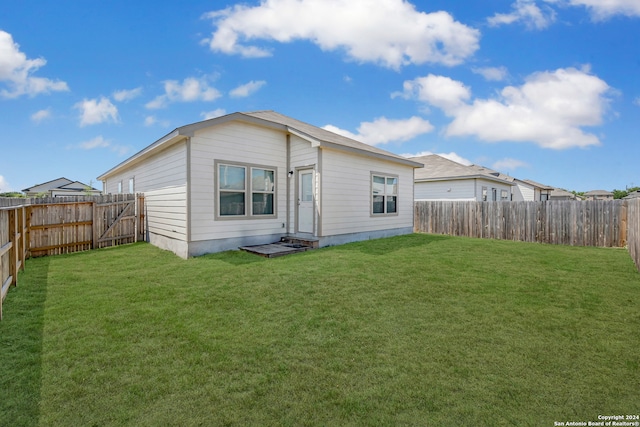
{"x": 414, "y": 330}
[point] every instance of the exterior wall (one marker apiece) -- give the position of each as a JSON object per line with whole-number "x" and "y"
{"x": 345, "y": 206}
{"x": 237, "y": 143}
{"x": 464, "y": 190}
{"x": 163, "y": 180}
{"x": 459, "y": 190}
{"x": 524, "y": 193}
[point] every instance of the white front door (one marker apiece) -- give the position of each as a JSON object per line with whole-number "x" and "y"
{"x": 305, "y": 201}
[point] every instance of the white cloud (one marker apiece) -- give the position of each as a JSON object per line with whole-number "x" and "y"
{"x": 509, "y": 164}
{"x": 383, "y": 130}
{"x": 97, "y": 142}
{"x": 94, "y": 111}
{"x": 127, "y": 94}
{"x": 153, "y": 120}
{"x": 41, "y": 115}
{"x": 100, "y": 142}
{"x": 219, "y": 112}
{"x": 4, "y": 185}
{"x": 526, "y": 12}
{"x": 495, "y": 74}
{"x": 391, "y": 32}
{"x": 605, "y": 9}
{"x": 247, "y": 89}
{"x": 16, "y": 72}
{"x": 191, "y": 89}
{"x": 549, "y": 109}
{"x": 439, "y": 91}
{"x": 451, "y": 156}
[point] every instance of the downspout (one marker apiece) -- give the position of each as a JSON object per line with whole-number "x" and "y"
{"x": 188, "y": 190}
{"x": 288, "y": 186}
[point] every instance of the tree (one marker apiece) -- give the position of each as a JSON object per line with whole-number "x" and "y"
{"x": 11, "y": 194}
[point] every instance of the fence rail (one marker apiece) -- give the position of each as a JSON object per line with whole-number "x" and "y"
{"x": 52, "y": 226}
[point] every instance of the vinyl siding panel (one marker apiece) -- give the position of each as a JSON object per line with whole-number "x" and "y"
{"x": 163, "y": 180}
{"x": 524, "y": 192}
{"x": 236, "y": 143}
{"x": 459, "y": 190}
{"x": 462, "y": 190}
{"x": 346, "y": 194}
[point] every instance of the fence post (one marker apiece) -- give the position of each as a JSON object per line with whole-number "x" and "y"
{"x": 13, "y": 252}
{"x": 94, "y": 225}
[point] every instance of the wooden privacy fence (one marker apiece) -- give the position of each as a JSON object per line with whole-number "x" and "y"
{"x": 13, "y": 244}
{"x": 633, "y": 218}
{"x": 577, "y": 223}
{"x": 52, "y": 226}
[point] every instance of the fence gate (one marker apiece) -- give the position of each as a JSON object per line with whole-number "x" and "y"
{"x": 117, "y": 221}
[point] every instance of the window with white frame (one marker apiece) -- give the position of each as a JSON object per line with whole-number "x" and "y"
{"x": 484, "y": 194}
{"x": 131, "y": 186}
{"x": 504, "y": 195}
{"x": 245, "y": 190}
{"x": 119, "y": 187}
{"x": 384, "y": 194}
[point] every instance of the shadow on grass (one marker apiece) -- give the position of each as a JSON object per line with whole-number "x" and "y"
{"x": 21, "y": 335}
{"x": 234, "y": 257}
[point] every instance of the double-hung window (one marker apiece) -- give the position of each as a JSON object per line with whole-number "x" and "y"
{"x": 384, "y": 194}
{"x": 245, "y": 191}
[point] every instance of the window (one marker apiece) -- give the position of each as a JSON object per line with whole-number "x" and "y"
{"x": 119, "y": 187}
{"x": 384, "y": 198}
{"x": 245, "y": 190}
{"x": 131, "y": 186}
{"x": 504, "y": 195}
{"x": 484, "y": 194}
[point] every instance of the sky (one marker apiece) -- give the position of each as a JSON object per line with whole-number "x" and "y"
{"x": 546, "y": 90}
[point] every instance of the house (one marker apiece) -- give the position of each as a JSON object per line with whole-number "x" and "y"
{"x": 61, "y": 187}
{"x": 598, "y": 195}
{"x": 444, "y": 179}
{"x": 528, "y": 190}
{"x": 633, "y": 195}
{"x": 253, "y": 178}
{"x": 560, "y": 194}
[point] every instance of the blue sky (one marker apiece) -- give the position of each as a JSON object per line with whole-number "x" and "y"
{"x": 546, "y": 90}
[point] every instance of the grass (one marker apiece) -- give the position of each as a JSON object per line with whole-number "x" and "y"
{"x": 413, "y": 330}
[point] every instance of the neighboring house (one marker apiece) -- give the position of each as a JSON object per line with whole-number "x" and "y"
{"x": 253, "y": 178}
{"x": 598, "y": 195}
{"x": 633, "y": 195}
{"x": 560, "y": 194}
{"x": 61, "y": 187}
{"x": 444, "y": 179}
{"x": 528, "y": 190}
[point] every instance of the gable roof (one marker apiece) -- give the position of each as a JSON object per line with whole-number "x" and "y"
{"x": 60, "y": 184}
{"x": 316, "y": 136}
{"x": 49, "y": 185}
{"x": 558, "y": 193}
{"x": 537, "y": 184}
{"x": 438, "y": 168}
{"x": 598, "y": 193}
